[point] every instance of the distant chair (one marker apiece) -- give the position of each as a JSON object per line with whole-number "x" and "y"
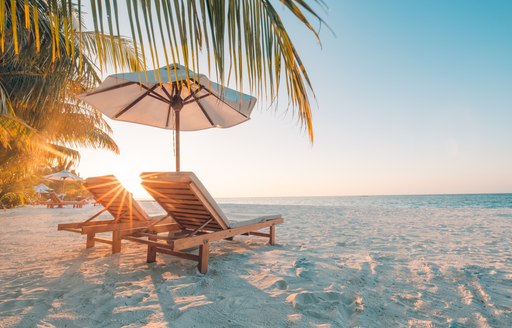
{"x": 56, "y": 201}
{"x": 199, "y": 218}
{"x": 128, "y": 215}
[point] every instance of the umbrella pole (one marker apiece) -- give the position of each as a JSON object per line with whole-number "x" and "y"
{"x": 177, "y": 127}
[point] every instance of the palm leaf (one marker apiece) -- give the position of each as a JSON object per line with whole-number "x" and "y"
{"x": 117, "y": 51}
{"x": 243, "y": 40}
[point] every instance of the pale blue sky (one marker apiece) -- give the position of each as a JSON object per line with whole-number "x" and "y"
{"x": 413, "y": 97}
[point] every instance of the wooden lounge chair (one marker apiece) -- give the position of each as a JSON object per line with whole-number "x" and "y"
{"x": 56, "y": 201}
{"x": 128, "y": 215}
{"x": 198, "y": 216}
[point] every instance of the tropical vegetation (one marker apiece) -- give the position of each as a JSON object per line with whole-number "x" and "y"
{"x": 41, "y": 119}
{"x": 47, "y": 58}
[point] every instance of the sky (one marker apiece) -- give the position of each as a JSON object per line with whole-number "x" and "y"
{"x": 412, "y": 97}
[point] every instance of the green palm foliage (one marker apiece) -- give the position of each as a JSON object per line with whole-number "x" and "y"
{"x": 41, "y": 121}
{"x": 244, "y": 40}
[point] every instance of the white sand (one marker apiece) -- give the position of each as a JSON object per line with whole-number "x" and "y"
{"x": 333, "y": 267}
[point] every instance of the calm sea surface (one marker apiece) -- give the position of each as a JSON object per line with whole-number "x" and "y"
{"x": 468, "y": 201}
{"x": 406, "y": 201}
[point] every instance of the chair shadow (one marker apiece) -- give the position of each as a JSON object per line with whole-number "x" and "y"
{"x": 124, "y": 289}
{"x": 183, "y": 292}
{"x": 56, "y": 288}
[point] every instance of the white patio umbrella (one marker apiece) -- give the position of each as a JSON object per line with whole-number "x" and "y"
{"x": 164, "y": 100}
{"x": 42, "y": 188}
{"x": 63, "y": 176}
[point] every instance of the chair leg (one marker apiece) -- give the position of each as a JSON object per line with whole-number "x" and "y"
{"x": 272, "y": 238}
{"x": 116, "y": 241}
{"x": 90, "y": 240}
{"x": 151, "y": 252}
{"x": 203, "y": 257}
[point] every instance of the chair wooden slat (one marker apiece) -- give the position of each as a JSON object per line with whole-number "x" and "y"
{"x": 129, "y": 216}
{"x": 184, "y": 198}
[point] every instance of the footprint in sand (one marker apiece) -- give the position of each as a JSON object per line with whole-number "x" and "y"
{"x": 303, "y": 268}
{"x": 412, "y": 300}
{"x": 271, "y": 283}
{"x": 334, "y": 306}
{"x": 279, "y": 284}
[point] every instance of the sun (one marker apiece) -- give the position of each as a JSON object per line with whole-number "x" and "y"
{"x": 131, "y": 182}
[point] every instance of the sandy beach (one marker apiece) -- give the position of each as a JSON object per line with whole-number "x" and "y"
{"x": 288, "y": 106}
{"x": 333, "y": 267}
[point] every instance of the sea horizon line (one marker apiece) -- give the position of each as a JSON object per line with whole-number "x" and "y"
{"x": 349, "y": 196}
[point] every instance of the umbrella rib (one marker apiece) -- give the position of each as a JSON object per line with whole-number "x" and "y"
{"x": 185, "y": 101}
{"x": 135, "y": 102}
{"x": 236, "y": 110}
{"x": 195, "y": 98}
{"x": 166, "y": 92}
{"x": 202, "y": 109}
{"x": 117, "y": 86}
{"x": 156, "y": 95}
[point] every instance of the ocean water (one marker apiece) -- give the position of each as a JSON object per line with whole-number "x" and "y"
{"x": 371, "y": 204}
{"x": 399, "y": 201}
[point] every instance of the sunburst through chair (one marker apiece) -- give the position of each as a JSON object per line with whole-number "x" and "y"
{"x": 128, "y": 215}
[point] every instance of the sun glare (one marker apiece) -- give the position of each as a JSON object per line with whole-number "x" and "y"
{"x": 132, "y": 183}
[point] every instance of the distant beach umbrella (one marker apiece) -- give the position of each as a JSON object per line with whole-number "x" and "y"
{"x": 42, "y": 188}
{"x": 63, "y": 176}
{"x": 163, "y": 99}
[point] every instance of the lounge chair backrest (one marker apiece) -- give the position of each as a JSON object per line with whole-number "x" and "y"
{"x": 118, "y": 201}
{"x": 184, "y": 197}
{"x": 55, "y": 198}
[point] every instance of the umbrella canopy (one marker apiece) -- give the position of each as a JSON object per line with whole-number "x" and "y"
{"x": 62, "y": 175}
{"x": 164, "y": 100}
{"x": 42, "y": 188}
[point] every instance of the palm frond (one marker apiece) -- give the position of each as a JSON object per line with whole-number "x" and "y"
{"x": 65, "y": 153}
{"x": 244, "y": 40}
{"x": 115, "y": 50}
